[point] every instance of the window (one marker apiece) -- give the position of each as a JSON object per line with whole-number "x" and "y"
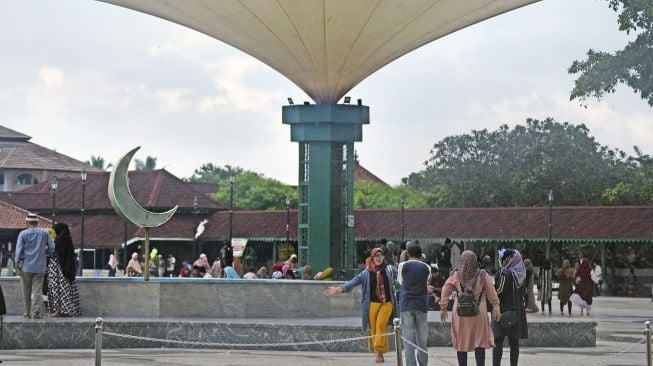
{"x": 25, "y": 179}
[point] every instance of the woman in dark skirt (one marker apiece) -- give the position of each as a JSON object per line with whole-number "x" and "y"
{"x": 63, "y": 296}
{"x": 510, "y": 288}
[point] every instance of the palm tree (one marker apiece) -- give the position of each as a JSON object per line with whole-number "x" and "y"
{"x": 98, "y": 162}
{"x": 148, "y": 164}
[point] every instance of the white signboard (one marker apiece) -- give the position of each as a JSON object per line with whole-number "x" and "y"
{"x": 238, "y": 245}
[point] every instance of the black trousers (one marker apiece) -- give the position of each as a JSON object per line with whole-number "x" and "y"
{"x": 479, "y": 354}
{"x": 497, "y": 352}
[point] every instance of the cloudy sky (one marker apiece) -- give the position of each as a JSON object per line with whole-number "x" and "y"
{"x": 87, "y": 78}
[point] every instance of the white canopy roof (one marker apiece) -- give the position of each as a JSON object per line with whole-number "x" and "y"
{"x": 326, "y": 47}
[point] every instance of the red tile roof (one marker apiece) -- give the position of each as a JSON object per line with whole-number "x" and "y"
{"x": 13, "y": 218}
{"x": 151, "y": 188}
{"x": 108, "y": 230}
{"x": 633, "y": 223}
{"x": 362, "y": 174}
{"x": 251, "y": 224}
{"x": 156, "y": 190}
{"x": 569, "y": 223}
{"x": 206, "y": 188}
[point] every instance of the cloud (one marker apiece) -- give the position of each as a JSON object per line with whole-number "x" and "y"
{"x": 183, "y": 43}
{"x": 51, "y": 77}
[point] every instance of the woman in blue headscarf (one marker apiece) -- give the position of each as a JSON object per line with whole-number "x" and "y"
{"x": 510, "y": 288}
{"x": 230, "y": 272}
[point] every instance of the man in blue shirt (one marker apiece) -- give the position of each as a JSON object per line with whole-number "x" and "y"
{"x": 32, "y": 248}
{"x": 414, "y": 275}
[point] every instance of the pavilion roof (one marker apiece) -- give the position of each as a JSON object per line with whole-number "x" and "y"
{"x": 515, "y": 223}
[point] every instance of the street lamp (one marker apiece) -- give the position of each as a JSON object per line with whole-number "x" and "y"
{"x": 401, "y": 200}
{"x": 287, "y": 224}
{"x": 231, "y": 206}
{"x": 195, "y": 211}
{"x": 81, "y": 256}
{"x": 548, "y": 244}
{"x": 54, "y": 184}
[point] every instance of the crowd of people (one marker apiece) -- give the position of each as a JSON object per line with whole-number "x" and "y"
{"x": 222, "y": 266}
{"x": 487, "y": 305}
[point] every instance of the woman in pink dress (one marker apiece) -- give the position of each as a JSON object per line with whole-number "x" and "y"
{"x": 470, "y": 333}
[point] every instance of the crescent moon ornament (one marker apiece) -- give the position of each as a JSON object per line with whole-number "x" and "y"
{"x": 124, "y": 203}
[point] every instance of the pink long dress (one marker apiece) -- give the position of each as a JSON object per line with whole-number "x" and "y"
{"x": 467, "y": 333}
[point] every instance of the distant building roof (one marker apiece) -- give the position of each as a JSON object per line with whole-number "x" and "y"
{"x": 362, "y": 174}
{"x": 156, "y": 190}
{"x": 151, "y": 189}
{"x": 7, "y": 134}
{"x": 16, "y": 152}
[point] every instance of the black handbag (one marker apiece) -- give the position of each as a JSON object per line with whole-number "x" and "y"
{"x": 508, "y": 319}
{"x": 511, "y": 317}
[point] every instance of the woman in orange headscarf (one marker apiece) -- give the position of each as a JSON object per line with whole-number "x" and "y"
{"x": 377, "y": 298}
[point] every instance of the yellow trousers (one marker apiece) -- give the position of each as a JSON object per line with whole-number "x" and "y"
{"x": 379, "y": 315}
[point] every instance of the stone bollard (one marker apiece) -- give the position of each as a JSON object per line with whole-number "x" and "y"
{"x": 397, "y": 329}
{"x": 98, "y": 342}
{"x": 647, "y": 334}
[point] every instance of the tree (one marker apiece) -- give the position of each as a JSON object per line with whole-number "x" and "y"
{"x": 636, "y": 188}
{"x": 369, "y": 194}
{"x": 148, "y": 164}
{"x": 253, "y": 191}
{"x": 210, "y": 173}
{"x": 602, "y": 71}
{"x": 518, "y": 167}
{"x": 98, "y": 162}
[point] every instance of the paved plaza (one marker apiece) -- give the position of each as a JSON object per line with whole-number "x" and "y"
{"x": 620, "y": 341}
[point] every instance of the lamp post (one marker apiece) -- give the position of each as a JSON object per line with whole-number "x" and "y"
{"x": 231, "y": 207}
{"x": 195, "y": 211}
{"x": 287, "y": 224}
{"x": 124, "y": 252}
{"x": 54, "y": 184}
{"x": 81, "y": 242}
{"x": 548, "y": 244}
{"x": 401, "y": 200}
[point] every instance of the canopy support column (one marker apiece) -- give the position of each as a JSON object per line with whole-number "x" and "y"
{"x": 326, "y": 134}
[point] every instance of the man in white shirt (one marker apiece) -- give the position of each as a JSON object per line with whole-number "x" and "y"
{"x": 597, "y": 276}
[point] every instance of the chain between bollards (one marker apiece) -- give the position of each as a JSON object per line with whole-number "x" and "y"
{"x": 397, "y": 331}
{"x": 98, "y": 341}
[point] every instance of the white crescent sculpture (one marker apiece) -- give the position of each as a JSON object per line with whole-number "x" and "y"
{"x": 124, "y": 203}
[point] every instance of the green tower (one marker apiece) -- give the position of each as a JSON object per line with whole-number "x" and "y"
{"x": 326, "y": 134}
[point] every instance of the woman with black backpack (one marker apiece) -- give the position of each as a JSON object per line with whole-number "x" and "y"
{"x": 470, "y": 326}
{"x": 510, "y": 288}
